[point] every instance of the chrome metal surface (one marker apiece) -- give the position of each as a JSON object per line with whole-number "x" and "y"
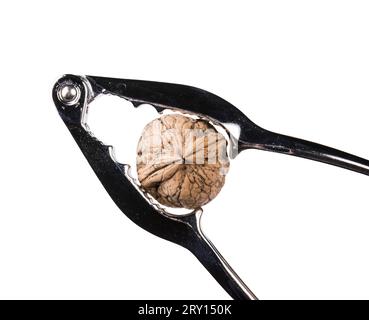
{"x": 182, "y": 230}
{"x": 68, "y": 93}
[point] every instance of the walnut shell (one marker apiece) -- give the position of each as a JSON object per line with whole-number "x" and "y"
{"x": 181, "y": 161}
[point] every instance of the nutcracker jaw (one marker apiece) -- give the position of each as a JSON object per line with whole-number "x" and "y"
{"x": 72, "y": 95}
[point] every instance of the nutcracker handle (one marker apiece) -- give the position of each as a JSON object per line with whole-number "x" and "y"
{"x": 206, "y": 252}
{"x": 262, "y": 139}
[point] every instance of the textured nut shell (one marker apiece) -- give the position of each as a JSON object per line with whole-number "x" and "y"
{"x": 179, "y": 168}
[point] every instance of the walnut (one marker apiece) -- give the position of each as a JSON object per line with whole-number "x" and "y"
{"x": 181, "y": 161}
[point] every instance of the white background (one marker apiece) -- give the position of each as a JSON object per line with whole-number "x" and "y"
{"x": 292, "y": 228}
